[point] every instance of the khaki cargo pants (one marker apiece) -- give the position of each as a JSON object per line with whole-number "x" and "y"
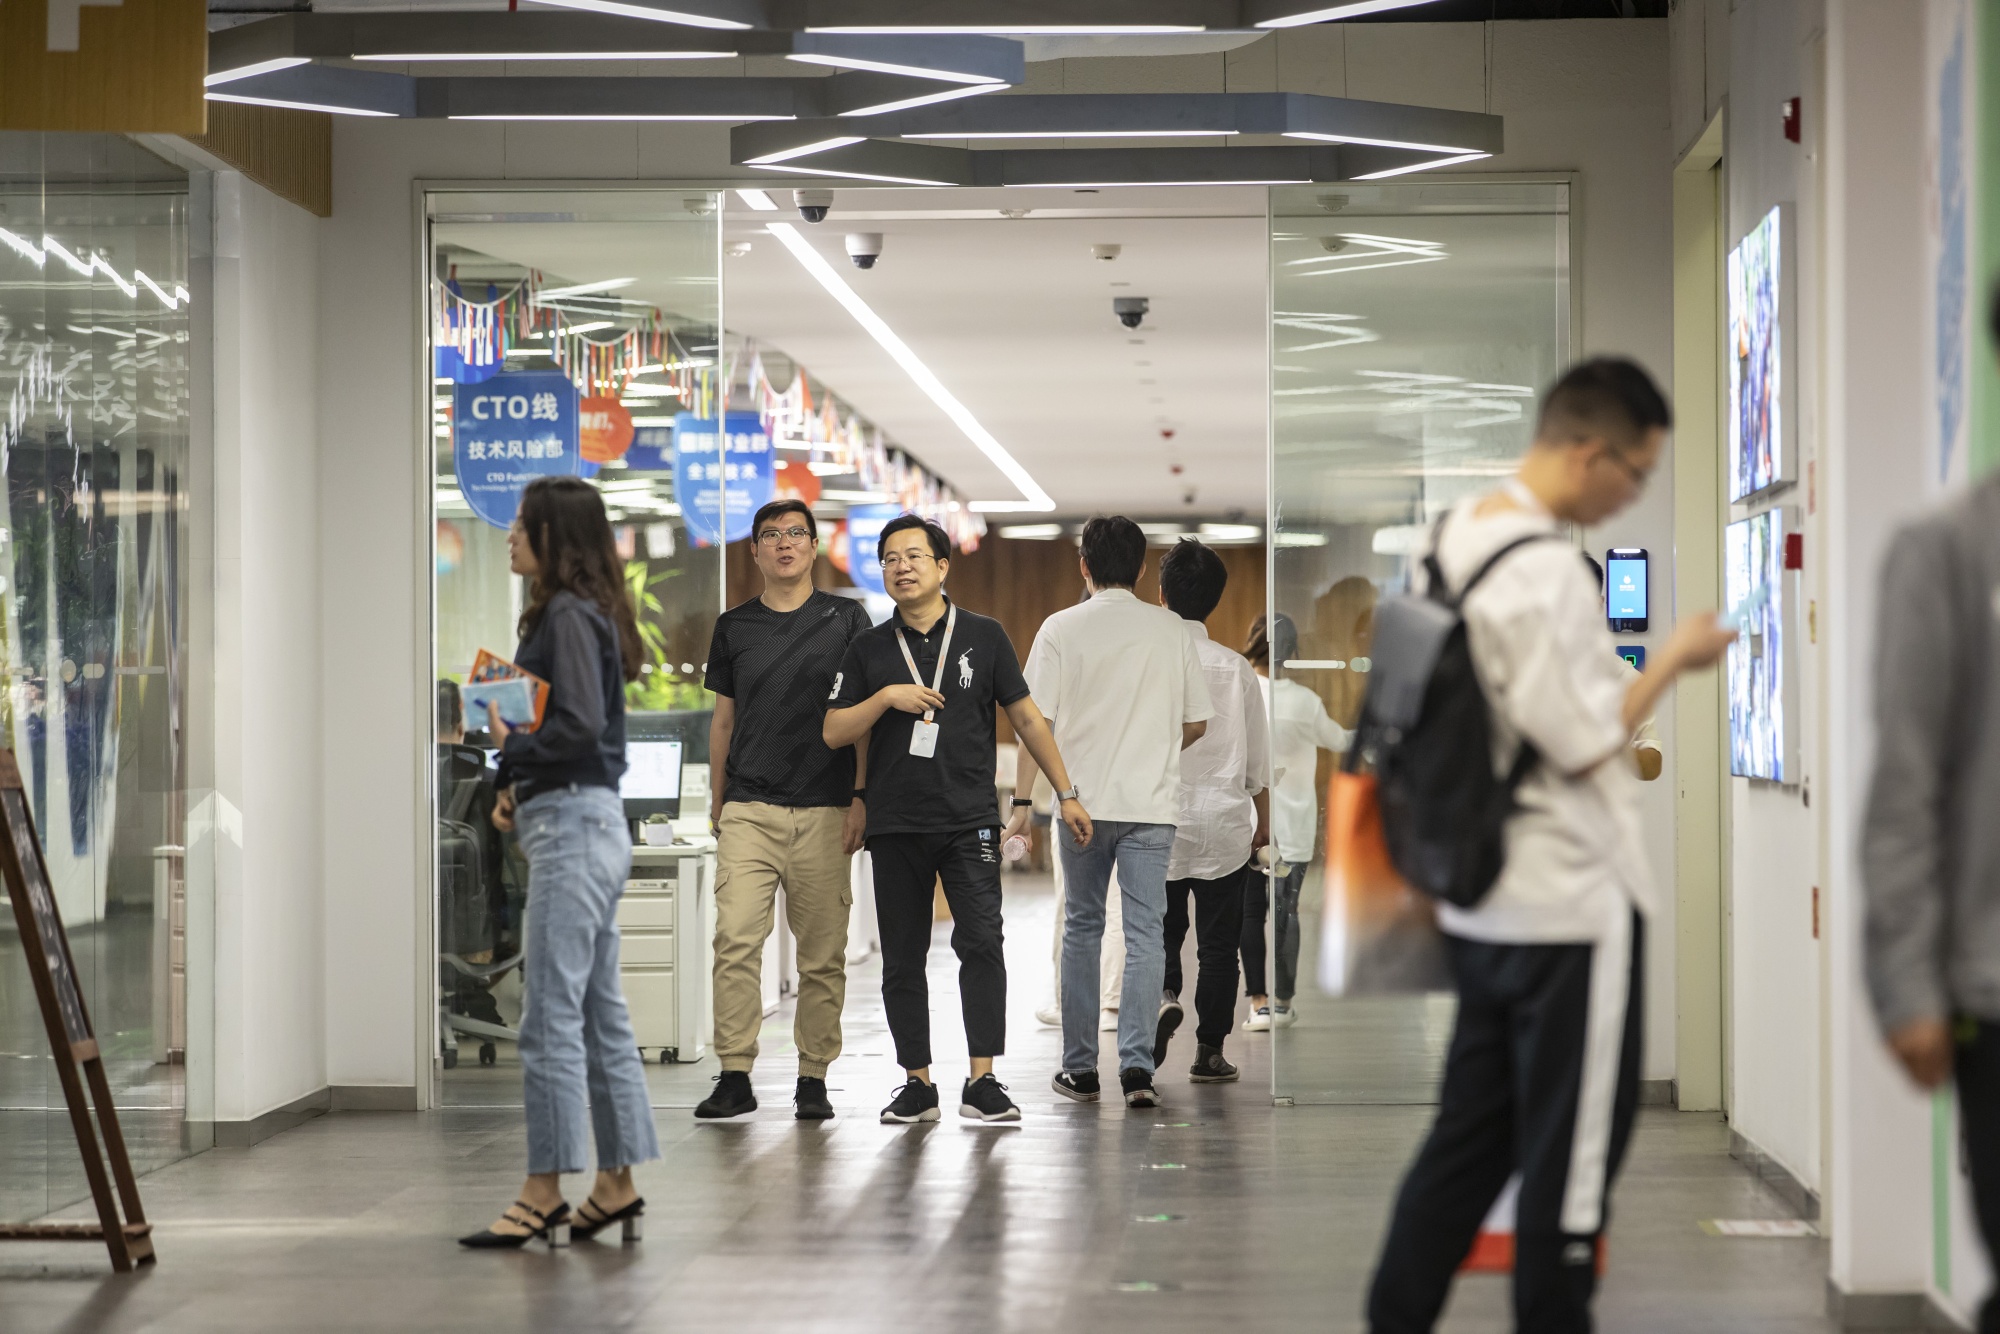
{"x": 759, "y": 847}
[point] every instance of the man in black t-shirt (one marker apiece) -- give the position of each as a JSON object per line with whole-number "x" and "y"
{"x": 786, "y": 808}
{"x": 920, "y": 689}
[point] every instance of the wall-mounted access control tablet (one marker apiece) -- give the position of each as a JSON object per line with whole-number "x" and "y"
{"x": 1625, "y": 590}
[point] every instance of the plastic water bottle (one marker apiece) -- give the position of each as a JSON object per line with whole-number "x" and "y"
{"x": 1014, "y": 848}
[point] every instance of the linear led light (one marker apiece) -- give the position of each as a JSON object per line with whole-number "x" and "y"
{"x": 950, "y": 93}
{"x": 1019, "y": 29}
{"x": 261, "y": 67}
{"x": 758, "y": 200}
{"x": 1067, "y": 134}
{"x": 836, "y": 286}
{"x": 566, "y": 115}
{"x": 581, "y": 289}
{"x": 1376, "y": 143}
{"x": 589, "y": 326}
{"x": 802, "y": 150}
{"x": 290, "y": 105}
{"x": 1349, "y": 9}
{"x": 1032, "y": 532}
{"x": 854, "y": 175}
{"x": 891, "y": 67}
{"x": 1423, "y": 166}
{"x": 1120, "y": 185}
{"x": 658, "y": 15}
{"x": 413, "y": 56}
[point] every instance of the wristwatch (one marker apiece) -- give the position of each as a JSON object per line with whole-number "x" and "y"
{"x": 1068, "y": 794}
{"x": 1024, "y": 801}
{"x": 861, "y": 794}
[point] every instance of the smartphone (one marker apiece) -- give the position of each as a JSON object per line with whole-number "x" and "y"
{"x": 1625, "y": 590}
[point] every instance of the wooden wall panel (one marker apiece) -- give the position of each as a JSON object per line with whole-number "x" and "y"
{"x": 136, "y": 68}
{"x": 289, "y": 153}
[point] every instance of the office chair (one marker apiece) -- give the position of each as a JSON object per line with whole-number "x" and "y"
{"x": 473, "y": 907}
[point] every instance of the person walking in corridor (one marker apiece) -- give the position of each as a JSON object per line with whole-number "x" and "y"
{"x": 921, "y": 688}
{"x": 1541, "y": 1078}
{"x": 1121, "y": 685}
{"x": 580, "y": 1066}
{"x": 1225, "y": 816}
{"x": 1929, "y": 844}
{"x": 786, "y": 808}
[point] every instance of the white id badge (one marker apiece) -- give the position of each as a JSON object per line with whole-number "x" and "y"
{"x": 923, "y": 739}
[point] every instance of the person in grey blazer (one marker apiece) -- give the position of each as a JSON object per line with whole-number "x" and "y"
{"x": 1930, "y": 845}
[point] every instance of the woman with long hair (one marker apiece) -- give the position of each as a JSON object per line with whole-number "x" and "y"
{"x": 580, "y": 1064}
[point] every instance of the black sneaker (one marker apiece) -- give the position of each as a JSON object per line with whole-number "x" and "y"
{"x": 985, "y": 1099}
{"x": 1170, "y": 1020}
{"x": 732, "y": 1097}
{"x": 810, "y": 1099}
{"x": 1138, "y": 1086}
{"x": 1079, "y": 1087}
{"x": 915, "y": 1101}
{"x": 1210, "y": 1068}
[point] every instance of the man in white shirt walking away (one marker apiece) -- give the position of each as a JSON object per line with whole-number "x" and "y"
{"x": 1120, "y": 684}
{"x": 1543, "y": 1070}
{"x": 1300, "y": 729}
{"x": 1225, "y": 818}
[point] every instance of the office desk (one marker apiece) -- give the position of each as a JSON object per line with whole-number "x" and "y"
{"x": 666, "y": 958}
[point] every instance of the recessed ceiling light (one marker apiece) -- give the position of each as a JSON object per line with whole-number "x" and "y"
{"x": 758, "y": 200}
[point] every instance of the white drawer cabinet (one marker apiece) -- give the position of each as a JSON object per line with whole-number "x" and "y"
{"x": 665, "y": 921}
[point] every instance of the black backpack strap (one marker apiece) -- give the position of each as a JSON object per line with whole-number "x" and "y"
{"x": 1495, "y": 559}
{"x": 1434, "y": 581}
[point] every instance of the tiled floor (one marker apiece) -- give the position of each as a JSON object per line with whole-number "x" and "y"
{"x": 1220, "y": 1212}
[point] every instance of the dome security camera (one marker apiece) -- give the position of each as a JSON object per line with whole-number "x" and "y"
{"x": 1333, "y": 245}
{"x": 1130, "y": 309}
{"x": 1106, "y": 253}
{"x": 864, "y": 248}
{"x": 813, "y": 205}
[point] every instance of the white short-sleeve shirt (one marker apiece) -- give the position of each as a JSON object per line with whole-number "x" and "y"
{"x": 1222, "y": 773}
{"x": 1552, "y": 675}
{"x": 1118, "y": 678}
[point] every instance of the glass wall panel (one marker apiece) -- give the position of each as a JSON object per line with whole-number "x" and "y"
{"x": 94, "y": 650}
{"x": 570, "y": 332}
{"x": 1413, "y": 324}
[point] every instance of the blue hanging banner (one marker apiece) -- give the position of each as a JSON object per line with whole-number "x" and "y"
{"x": 506, "y": 432}
{"x": 711, "y": 466}
{"x": 864, "y": 531}
{"x": 652, "y": 450}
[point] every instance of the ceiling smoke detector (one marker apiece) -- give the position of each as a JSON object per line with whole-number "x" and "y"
{"x": 736, "y": 249}
{"x": 699, "y": 205}
{"x": 1331, "y": 203}
{"x": 1106, "y": 253}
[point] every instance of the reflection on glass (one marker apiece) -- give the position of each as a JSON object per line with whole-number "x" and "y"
{"x": 1412, "y": 326}
{"x": 568, "y": 335}
{"x": 94, "y": 390}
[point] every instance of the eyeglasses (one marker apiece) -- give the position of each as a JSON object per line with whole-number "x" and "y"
{"x": 896, "y": 560}
{"x": 1634, "y": 475}
{"x": 774, "y": 537}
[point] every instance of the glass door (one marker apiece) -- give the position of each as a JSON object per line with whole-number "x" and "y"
{"x": 1412, "y": 326}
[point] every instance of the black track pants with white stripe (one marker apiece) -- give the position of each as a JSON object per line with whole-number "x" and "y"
{"x": 1542, "y": 1078}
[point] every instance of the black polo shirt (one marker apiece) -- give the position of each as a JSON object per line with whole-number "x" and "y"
{"x": 954, "y": 789}
{"x": 779, "y": 667}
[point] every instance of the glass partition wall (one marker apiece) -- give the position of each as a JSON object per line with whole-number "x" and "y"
{"x": 569, "y": 330}
{"x": 95, "y": 663}
{"x": 1412, "y": 326}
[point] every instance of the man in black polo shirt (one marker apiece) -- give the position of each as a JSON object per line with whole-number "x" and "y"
{"x": 786, "y": 809}
{"x": 921, "y": 688}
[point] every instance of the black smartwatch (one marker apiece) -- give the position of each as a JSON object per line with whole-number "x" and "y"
{"x": 1024, "y": 801}
{"x": 860, "y": 794}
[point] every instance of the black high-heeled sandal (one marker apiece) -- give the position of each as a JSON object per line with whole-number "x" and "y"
{"x": 552, "y": 1227}
{"x": 585, "y": 1226}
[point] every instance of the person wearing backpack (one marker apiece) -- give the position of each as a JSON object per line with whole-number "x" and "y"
{"x": 1542, "y": 883}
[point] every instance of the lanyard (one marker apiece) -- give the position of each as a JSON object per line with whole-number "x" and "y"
{"x": 944, "y": 652}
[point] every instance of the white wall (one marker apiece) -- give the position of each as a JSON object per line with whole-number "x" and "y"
{"x": 1584, "y": 97}
{"x": 265, "y": 813}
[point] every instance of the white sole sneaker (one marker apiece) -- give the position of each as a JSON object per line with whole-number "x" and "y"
{"x": 1049, "y": 1016}
{"x": 1284, "y": 1018}
{"x": 1258, "y": 1022}
{"x": 927, "y": 1114}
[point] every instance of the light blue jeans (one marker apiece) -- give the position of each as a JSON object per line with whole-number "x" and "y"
{"x": 575, "y": 1033}
{"x": 1140, "y": 852}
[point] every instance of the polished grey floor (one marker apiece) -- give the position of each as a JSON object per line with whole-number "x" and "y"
{"x": 1220, "y": 1211}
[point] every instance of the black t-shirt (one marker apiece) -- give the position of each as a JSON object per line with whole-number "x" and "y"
{"x": 779, "y": 667}
{"x": 954, "y": 789}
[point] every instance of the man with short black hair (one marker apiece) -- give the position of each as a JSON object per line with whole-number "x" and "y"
{"x": 786, "y": 809}
{"x": 1120, "y": 684}
{"x": 1225, "y": 816}
{"x": 1543, "y": 1071}
{"x": 921, "y": 689}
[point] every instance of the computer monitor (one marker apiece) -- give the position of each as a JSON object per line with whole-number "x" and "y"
{"x": 652, "y": 781}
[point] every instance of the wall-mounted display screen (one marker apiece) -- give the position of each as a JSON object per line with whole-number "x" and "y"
{"x": 1757, "y": 453}
{"x": 1753, "y": 556}
{"x": 1625, "y": 590}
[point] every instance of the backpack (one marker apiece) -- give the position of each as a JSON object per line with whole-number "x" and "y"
{"x": 1426, "y": 730}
